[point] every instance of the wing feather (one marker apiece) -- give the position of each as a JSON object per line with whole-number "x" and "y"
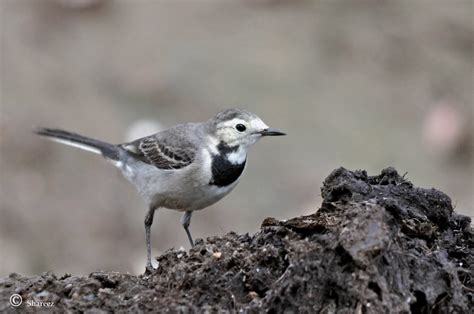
{"x": 163, "y": 152}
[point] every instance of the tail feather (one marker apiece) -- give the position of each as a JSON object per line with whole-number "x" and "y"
{"x": 107, "y": 150}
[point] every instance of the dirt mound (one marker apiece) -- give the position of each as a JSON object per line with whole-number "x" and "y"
{"x": 377, "y": 244}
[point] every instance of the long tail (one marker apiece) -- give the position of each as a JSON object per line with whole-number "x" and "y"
{"x": 107, "y": 150}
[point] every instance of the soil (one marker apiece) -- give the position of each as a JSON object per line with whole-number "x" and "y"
{"x": 378, "y": 244}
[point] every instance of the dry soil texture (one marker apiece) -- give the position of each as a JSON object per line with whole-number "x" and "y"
{"x": 378, "y": 244}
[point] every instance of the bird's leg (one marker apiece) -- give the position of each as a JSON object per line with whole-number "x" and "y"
{"x": 148, "y": 223}
{"x": 185, "y": 221}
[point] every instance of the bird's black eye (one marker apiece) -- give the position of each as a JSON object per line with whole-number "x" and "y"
{"x": 240, "y": 127}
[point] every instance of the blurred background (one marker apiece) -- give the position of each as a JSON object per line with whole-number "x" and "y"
{"x": 360, "y": 84}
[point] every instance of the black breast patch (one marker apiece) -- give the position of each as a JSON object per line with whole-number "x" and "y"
{"x": 223, "y": 171}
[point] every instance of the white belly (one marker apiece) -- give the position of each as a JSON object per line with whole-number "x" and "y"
{"x": 189, "y": 198}
{"x": 211, "y": 194}
{"x": 185, "y": 189}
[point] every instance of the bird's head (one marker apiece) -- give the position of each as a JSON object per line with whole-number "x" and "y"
{"x": 236, "y": 127}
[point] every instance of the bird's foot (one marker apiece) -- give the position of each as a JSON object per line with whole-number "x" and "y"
{"x": 149, "y": 270}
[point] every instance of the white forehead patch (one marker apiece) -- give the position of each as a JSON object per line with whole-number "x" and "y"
{"x": 258, "y": 124}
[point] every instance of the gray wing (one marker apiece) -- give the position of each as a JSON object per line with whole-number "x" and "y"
{"x": 169, "y": 149}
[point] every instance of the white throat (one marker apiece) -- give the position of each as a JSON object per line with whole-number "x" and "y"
{"x": 238, "y": 157}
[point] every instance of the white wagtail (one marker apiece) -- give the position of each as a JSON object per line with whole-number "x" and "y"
{"x": 187, "y": 167}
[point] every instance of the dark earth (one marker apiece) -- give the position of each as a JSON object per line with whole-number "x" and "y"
{"x": 378, "y": 244}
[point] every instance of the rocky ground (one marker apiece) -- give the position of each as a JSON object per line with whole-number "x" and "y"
{"x": 378, "y": 244}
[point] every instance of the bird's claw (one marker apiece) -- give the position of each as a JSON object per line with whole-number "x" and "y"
{"x": 149, "y": 269}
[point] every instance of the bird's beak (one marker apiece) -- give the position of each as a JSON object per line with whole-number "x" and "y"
{"x": 271, "y": 132}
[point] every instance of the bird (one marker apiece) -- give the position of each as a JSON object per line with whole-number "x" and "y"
{"x": 186, "y": 168}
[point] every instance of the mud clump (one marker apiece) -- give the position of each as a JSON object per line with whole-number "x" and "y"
{"x": 377, "y": 244}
